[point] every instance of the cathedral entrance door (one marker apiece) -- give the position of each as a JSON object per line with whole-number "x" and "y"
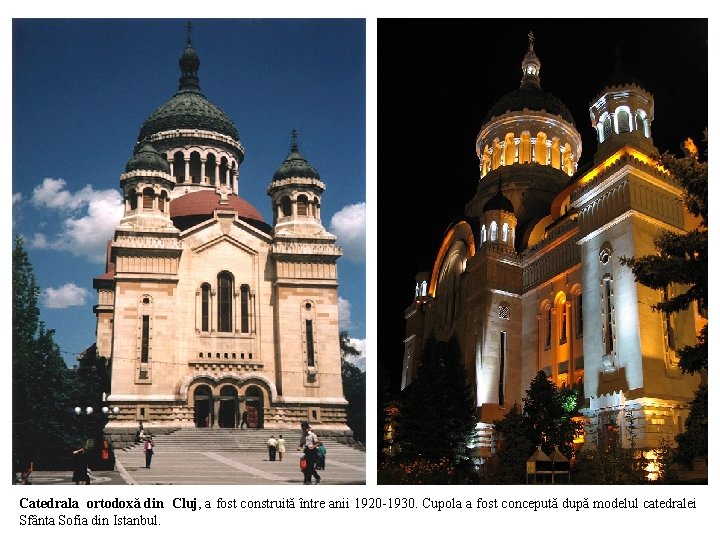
{"x": 203, "y": 406}
{"x": 254, "y": 406}
{"x": 228, "y": 415}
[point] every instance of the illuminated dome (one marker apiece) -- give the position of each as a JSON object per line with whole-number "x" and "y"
{"x": 529, "y": 126}
{"x": 531, "y": 97}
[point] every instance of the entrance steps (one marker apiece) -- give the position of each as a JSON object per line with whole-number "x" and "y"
{"x": 195, "y": 439}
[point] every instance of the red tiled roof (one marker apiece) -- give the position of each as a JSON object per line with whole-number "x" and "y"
{"x": 204, "y": 203}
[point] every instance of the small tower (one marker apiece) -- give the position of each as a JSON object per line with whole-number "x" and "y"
{"x": 622, "y": 114}
{"x": 295, "y": 191}
{"x": 498, "y": 220}
{"x": 146, "y": 185}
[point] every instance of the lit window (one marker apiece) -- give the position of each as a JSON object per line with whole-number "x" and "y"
{"x": 493, "y": 232}
{"x": 504, "y": 311}
{"x": 548, "y": 327}
{"x": 607, "y": 307}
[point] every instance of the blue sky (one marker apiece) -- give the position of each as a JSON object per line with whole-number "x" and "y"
{"x": 83, "y": 88}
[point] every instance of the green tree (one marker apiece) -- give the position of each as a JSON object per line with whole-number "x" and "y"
{"x": 548, "y": 415}
{"x": 693, "y": 442}
{"x": 42, "y": 423}
{"x": 682, "y": 259}
{"x": 514, "y": 447}
{"x": 354, "y": 389}
{"x": 437, "y": 411}
{"x": 86, "y": 386}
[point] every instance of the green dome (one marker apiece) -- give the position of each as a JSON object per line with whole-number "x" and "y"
{"x": 147, "y": 159}
{"x": 295, "y": 165}
{"x": 188, "y": 108}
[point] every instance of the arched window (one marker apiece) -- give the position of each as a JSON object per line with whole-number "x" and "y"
{"x": 607, "y": 128}
{"x": 493, "y": 232}
{"x": 148, "y": 195}
{"x": 210, "y": 171}
{"x": 483, "y": 234}
{"x": 161, "y": 200}
{"x": 641, "y": 123}
{"x": 195, "y": 167}
{"x": 286, "y": 207}
{"x": 205, "y": 308}
{"x": 245, "y": 309}
{"x": 505, "y": 229}
{"x": 623, "y": 121}
{"x": 179, "y": 166}
{"x": 548, "y": 327}
{"x": 132, "y": 197}
{"x": 578, "y": 305}
{"x": 561, "y": 309}
{"x": 225, "y": 296}
{"x": 541, "y": 154}
{"x": 607, "y": 314}
{"x": 302, "y": 205}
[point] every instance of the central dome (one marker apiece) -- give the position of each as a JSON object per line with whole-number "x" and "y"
{"x": 188, "y": 108}
{"x": 531, "y": 97}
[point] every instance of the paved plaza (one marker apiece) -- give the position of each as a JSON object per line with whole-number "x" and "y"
{"x": 217, "y": 464}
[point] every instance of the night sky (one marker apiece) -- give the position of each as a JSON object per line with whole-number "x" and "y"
{"x": 438, "y": 78}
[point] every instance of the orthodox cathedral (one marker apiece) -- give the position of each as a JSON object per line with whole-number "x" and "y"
{"x": 529, "y": 279}
{"x": 208, "y": 315}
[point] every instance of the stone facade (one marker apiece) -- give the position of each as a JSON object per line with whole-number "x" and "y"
{"x": 206, "y": 314}
{"x": 529, "y": 279}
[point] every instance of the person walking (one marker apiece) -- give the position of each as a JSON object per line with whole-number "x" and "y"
{"x": 272, "y": 447}
{"x": 280, "y": 446}
{"x": 80, "y": 467}
{"x": 149, "y": 451}
{"x": 308, "y": 445}
{"x": 244, "y": 421}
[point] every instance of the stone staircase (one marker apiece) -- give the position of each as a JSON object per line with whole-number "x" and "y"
{"x": 194, "y": 439}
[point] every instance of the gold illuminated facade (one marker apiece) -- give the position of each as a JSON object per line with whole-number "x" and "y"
{"x": 530, "y": 279}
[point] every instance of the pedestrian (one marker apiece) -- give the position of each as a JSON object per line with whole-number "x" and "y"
{"x": 140, "y": 433}
{"x": 149, "y": 451}
{"x": 308, "y": 445}
{"x": 80, "y": 467}
{"x": 272, "y": 447}
{"x": 244, "y": 420}
{"x": 280, "y": 446}
{"x": 321, "y": 451}
{"x": 26, "y": 473}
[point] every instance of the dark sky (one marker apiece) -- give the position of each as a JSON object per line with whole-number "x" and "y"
{"x": 437, "y": 78}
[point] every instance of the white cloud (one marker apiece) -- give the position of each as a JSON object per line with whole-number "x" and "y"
{"x": 344, "y": 311}
{"x": 69, "y": 295}
{"x": 16, "y": 198}
{"x": 349, "y": 226}
{"x": 90, "y": 218}
{"x": 361, "y": 346}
